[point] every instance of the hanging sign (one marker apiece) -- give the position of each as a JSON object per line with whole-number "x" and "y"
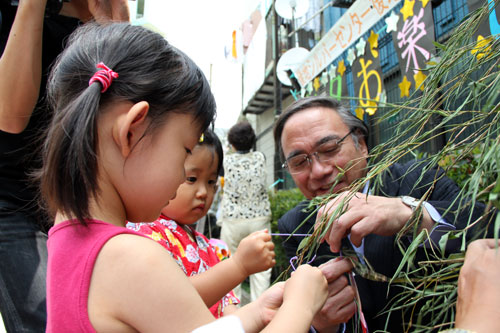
{"x": 357, "y": 20}
{"x": 367, "y": 76}
{"x": 414, "y": 43}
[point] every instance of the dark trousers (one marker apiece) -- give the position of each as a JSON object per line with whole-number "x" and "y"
{"x": 23, "y": 267}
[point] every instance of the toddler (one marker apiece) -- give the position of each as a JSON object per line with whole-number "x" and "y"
{"x": 191, "y": 249}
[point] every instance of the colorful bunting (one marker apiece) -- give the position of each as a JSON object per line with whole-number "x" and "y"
{"x": 392, "y": 22}
{"x": 324, "y": 78}
{"x": 360, "y": 47}
{"x": 419, "y": 80}
{"x": 407, "y": 9}
{"x": 360, "y": 113}
{"x": 373, "y": 42}
{"x": 341, "y": 67}
{"x": 404, "y": 87}
{"x": 316, "y": 84}
{"x": 332, "y": 71}
{"x": 309, "y": 88}
{"x": 483, "y": 47}
{"x": 351, "y": 56}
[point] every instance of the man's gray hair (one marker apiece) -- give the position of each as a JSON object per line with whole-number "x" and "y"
{"x": 356, "y": 125}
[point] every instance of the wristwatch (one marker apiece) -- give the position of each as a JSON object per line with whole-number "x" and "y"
{"x": 410, "y": 202}
{"x": 416, "y": 217}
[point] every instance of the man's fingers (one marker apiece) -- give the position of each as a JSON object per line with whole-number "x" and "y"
{"x": 361, "y": 229}
{"x": 335, "y": 268}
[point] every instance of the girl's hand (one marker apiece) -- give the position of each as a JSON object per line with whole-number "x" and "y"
{"x": 255, "y": 253}
{"x": 307, "y": 287}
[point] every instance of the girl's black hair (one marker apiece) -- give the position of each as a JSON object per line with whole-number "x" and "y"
{"x": 212, "y": 140}
{"x": 149, "y": 69}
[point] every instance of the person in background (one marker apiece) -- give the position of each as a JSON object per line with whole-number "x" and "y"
{"x": 32, "y": 35}
{"x": 245, "y": 203}
{"x": 212, "y": 278}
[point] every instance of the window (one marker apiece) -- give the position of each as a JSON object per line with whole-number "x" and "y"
{"x": 447, "y": 15}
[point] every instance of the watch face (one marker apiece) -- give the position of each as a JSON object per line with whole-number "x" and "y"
{"x": 409, "y": 201}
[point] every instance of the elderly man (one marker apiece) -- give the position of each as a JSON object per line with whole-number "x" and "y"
{"x": 323, "y": 146}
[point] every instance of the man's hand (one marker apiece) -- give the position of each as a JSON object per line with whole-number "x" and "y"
{"x": 365, "y": 215}
{"x": 478, "y": 306}
{"x": 270, "y": 301}
{"x": 339, "y": 306}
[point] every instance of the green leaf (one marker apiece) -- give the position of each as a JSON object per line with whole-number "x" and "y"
{"x": 439, "y": 45}
{"x": 303, "y": 243}
{"x": 443, "y": 241}
{"x": 409, "y": 254}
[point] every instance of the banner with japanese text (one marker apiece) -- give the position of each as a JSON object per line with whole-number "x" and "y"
{"x": 413, "y": 41}
{"x": 357, "y": 20}
{"x": 367, "y": 76}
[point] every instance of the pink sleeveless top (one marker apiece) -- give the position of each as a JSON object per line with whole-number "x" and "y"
{"x": 73, "y": 249}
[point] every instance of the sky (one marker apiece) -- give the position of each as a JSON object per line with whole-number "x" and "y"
{"x": 201, "y": 29}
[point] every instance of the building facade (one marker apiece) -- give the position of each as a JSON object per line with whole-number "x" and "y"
{"x": 381, "y": 49}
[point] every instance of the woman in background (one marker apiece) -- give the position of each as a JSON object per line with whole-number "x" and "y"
{"x": 245, "y": 202}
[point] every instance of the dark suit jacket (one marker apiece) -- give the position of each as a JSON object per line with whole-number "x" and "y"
{"x": 382, "y": 252}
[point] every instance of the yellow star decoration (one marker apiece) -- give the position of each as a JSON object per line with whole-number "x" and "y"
{"x": 404, "y": 87}
{"x": 407, "y": 9}
{"x": 341, "y": 68}
{"x": 424, "y": 3}
{"x": 419, "y": 80}
{"x": 360, "y": 113}
{"x": 316, "y": 84}
{"x": 373, "y": 41}
{"x": 482, "y": 48}
{"x": 372, "y": 108}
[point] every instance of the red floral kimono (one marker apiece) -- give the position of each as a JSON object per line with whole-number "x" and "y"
{"x": 194, "y": 255}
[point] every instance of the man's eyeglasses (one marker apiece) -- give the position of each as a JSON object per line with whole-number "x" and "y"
{"x": 325, "y": 153}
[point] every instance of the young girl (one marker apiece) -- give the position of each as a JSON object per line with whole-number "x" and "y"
{"x": 115, "y": 151}
{"x": 191, "y": 249}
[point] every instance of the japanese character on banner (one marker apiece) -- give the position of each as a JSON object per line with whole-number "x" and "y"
{"x": 379, "y": 5}
{"x": 413, "y": 41}
{"x": 367, "y": 78}
{"x": 337, "y": 84}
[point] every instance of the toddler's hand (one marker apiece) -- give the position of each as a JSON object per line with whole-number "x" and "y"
{"x": 255, "y": 253}
{"x": 308, "y": 287}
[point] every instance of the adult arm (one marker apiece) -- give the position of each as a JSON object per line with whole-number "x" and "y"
{"x": 255, "y": 254}
{"x": 364, "y": 215}
{"x": 21, "y": 67}
{"x": 385, "y": 214}
{"x": 21, "y": 61}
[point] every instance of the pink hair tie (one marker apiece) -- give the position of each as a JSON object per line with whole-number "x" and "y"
{"x": 105, "y": 76}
